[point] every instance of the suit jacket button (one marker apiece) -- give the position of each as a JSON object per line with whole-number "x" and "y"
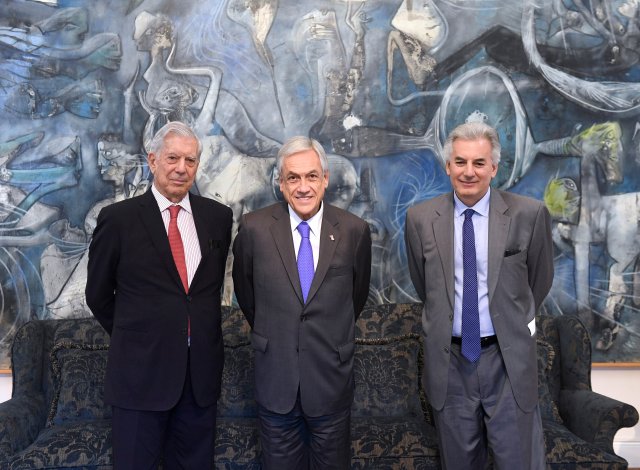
{"x": 189, "y": 298}
{"x": 183, "y": 331}
{"x": 451, "y": 317}
{"x": 446, "y": 349}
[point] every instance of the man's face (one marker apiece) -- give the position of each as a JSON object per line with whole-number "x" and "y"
{"x": 175, "y": 167}
{"x": 302, "y": 183}
{"x": 471, "y": 169}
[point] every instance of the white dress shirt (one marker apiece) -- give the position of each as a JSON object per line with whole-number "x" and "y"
{"x": 187, "y": 228}
{"x": 481, "y": 232}
{"x": 315, "y": 224}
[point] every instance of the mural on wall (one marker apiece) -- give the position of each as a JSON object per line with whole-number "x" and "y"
{"x": 85, "y": 84}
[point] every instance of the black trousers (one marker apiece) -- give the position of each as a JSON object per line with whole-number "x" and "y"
{"x": 184, "y": 436}
{"x": 296, "y": 441}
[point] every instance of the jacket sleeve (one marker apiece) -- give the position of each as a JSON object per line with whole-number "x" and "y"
{"x": 415, "y": 261}
{"x": 104, "y": 253}
{"x": 243, "y": 272}
{"x": 540, "y": 257}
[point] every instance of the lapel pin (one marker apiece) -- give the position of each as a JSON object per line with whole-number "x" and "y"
{"x": 331, "y": 237}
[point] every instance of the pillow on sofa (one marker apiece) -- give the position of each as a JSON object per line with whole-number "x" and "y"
{"x": 387, "y": 376}
{"x": 548, "y": 408}
{"x": 78, "y": 383}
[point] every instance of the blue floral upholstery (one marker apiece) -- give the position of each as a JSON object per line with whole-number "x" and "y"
{"x": 57, "y": 419}
{"x": 78, "y": 375}
{"x": 582, "y": 436}
{"x": 76, "y": 444}
{"x": 548, "y": 407}
{"x": 67, "y": 426}
{"x": 386, "y": 377}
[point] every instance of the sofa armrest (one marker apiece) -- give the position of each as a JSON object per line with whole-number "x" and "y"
{"x": 595, "y": 418}
{"x": 21, "y": 419}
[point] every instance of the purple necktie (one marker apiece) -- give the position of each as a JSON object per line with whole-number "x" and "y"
{"x": 470, "y": 315}
{"x": 305, "y": 260}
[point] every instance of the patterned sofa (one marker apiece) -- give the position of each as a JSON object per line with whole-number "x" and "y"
{"x": 57, "y": 419}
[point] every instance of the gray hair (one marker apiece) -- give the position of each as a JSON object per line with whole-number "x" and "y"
{"x": 299, "y": 144}
{"x": 473, "y": 131}
{"x": 172, "y": 127}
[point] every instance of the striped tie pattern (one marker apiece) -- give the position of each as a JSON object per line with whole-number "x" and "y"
{"x": 177, "y": 248}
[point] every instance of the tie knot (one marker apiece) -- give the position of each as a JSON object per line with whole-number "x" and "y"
{"x": 173, "y": 211}
{"x": 304, "y": 228}
{"x": 468, "y": 214}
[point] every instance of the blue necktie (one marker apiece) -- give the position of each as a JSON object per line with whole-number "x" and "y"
{"x": 305, "y": 260}
{"x": 470, "y": 315}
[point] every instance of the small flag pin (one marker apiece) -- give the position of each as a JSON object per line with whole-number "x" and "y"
{"x": 332, "y": 237}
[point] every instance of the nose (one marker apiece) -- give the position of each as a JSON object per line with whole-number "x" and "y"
{"x": 304, "y": 185}
{"x": 181, "y": 165}
{"x": 468, "y": 169}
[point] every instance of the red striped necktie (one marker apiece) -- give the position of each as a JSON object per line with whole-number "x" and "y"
{"x": 177, "y": 248}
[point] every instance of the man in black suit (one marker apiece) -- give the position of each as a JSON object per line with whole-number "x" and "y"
{"x": 301, "y": 275}
{"x": 156, "y": 267}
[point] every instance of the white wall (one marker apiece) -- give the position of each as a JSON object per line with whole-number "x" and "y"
{"x": 5, "y": 387}
{"x": 621, "y": 384}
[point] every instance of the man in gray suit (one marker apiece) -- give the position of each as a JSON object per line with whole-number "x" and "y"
{"x": 301, "y": 274}
{"x": 481, "y": 261}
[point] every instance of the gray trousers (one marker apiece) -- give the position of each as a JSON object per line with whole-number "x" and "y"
{"x": 481, "y": 414}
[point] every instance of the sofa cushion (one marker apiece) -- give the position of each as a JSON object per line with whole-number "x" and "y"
{"x": 78, "y": 383}
{"x": 237, "y": 443}
{"x": 548, "y": 408}
{"x": 392, "y": 439}
{"x": 80, "y": 444}
{"x": 387, "y": 376}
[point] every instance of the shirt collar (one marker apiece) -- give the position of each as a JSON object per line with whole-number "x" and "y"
{"x": 164, "y": 203}
{"x": 314, "y": 222}
{"x": 481, "y": 207}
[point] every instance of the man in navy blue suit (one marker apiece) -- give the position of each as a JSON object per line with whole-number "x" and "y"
{"x": 160, "y": 302}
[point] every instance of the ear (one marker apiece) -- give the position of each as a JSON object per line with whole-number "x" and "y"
{"x": 447, "y": 167}
{"x": 151, "y": 161}
{"x": 326, "y": 179}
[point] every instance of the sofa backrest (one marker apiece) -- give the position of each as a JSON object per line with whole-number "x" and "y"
{"x": 387, "y": 363}
{"x": 572, "y": 345}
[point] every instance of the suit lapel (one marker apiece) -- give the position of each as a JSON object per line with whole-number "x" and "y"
{"x": 152, "y": 221}
{"x": 443, "y": 233}
{"x": 499, "y": 224}
{"x": 329, "y": 240}
{"x": 281, "y": 233}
